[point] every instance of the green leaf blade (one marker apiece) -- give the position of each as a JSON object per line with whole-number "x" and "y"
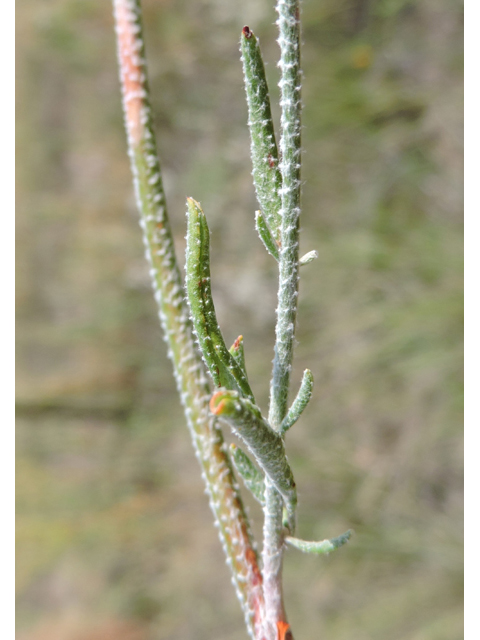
{"x": 322, "y": 547}
{"x": 266, "y": 445}
{"x": 298, "y": 405}
{"x": 265, "y": 234}
{"x": 264, "y": 152}
{"x": 223, "y": 367}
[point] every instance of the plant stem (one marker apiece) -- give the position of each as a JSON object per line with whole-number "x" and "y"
{"x": 190, "y": 377}
{"x": 290, "y": 140}
{"x": 272, "y": 556}
{"x": 289, "y": 41}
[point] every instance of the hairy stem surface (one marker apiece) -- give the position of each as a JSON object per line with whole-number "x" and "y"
{"x": 289, "y": 41}
{"x": 174, "y": 316}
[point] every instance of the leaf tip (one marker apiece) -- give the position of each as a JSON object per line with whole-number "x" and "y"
{"x": 236, "y": 345}
{"x": 193, "y": 204}
{"x": 342, "y": 539}
{"x": 308, "y": 257}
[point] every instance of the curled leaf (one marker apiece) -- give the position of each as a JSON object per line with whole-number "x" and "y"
{"x": 246, "y": 420}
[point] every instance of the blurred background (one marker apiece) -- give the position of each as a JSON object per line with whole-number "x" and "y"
{"x": 115, "y": 537}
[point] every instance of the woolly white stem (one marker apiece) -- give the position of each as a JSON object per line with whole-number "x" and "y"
{"x": 289, "y": 41}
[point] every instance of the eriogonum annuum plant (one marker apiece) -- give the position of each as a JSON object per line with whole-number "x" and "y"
{"x": 195, "y": 341}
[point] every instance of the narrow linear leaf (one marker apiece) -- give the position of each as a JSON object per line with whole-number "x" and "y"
{"x": 264, "y": 152}
{"x": 223, "y": 367}
{"x": 307, "y": 258}
{"x": 298, "y": 405}
{"x": 251, "y": 476}
{"x": 319, "y": 548}
{"x": 266, "y": 445}
{"x": 237, "y": 351}
{"x": 266, "y": 235}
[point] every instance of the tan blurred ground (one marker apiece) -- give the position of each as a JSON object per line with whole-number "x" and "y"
{"x": 115, "y": 539}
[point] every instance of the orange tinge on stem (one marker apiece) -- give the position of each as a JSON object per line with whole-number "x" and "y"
{"x": 135, "y": 99}
{"x": 131, "y": 71}
{"x": 283, "y": 629}
{"x": 215, "y": 408}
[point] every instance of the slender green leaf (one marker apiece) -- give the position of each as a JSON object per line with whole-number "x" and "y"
{"x": 319, "y": 548}
{"x": 266, "y": 173}
{"x": 266, "y": 235}
{"x": 298, "y": 405}
{"x": 223, "y": 367}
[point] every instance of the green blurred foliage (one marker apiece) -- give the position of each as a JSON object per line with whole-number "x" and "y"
{"x": 115, "y": 538}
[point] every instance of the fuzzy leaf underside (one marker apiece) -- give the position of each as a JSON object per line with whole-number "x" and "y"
{"x": 265, "y": 444}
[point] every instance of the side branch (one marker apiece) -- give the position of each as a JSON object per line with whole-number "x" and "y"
{"x": 189, "y": 373}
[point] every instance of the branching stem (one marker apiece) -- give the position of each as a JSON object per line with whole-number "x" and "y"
{"x": 278, "y": 185}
